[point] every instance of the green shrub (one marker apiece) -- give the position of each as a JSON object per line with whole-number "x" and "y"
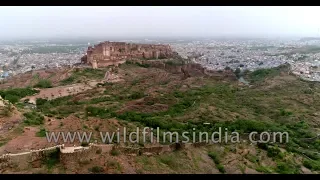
{"x": 41, "y": 133}
{"x": 14, "y": 95}
{"x": 12, "y": 98}
{"x": 312, "y": 164}
{"x": 33, "y": 118}
{"x": 260, "y": 74}
{"x": 150, "y": 103}
{"x": 285, "y": 113}
{"x": 143, "y": 65}
{"x": 114, "y": 164}
{"x": 84, "y": 144}
{"x": 136, "y": 95}
{"x": 168, "y": 160}
{"x": 98, "y": 112}
{"x": 286, "y": 168}
{"x": 114, "y": 152}
{"x": 214, "y": 156}
{"x": 174, "y": 62}
{"x": 237, "y": 72}
{"x": 52, "y": 159}
{"x": 247, "y": 126}
{"x": 68, "y": 80}
{"x": 252, "y": 158}
{"x": 46, "y": 106}
{"x": 44, "y": 83}
{"x": 99, "y": 151}
{"x": 274, "y": 152}
{"x": 2, "y": 143}
{"x": 263, "y": 146}
{"x": 220, "y": 167}
{"x": 264, "y": 169}
{"x": 96, "y": 169}
{"x": 313, "y": 155}
{"x": 40, "y": 101}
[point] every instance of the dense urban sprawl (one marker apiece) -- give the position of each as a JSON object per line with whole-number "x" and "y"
{"x": 218, "y": 54}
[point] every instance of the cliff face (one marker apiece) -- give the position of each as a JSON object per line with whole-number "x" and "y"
{"x": 114, "y": 53}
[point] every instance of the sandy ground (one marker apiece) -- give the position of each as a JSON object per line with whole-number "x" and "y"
{"x": 25, "y": 142}
{"x": 61, "y": 91}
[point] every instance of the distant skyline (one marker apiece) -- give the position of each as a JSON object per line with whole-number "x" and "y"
{"x": 157, "y": 21}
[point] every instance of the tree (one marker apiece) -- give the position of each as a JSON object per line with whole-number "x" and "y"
{"x": 227, "y": 68}
{"x": 237, "y": 72}
{"x": 12, "y": 98}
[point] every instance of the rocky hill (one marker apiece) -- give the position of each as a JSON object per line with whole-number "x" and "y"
{"x": 175, "y": 97}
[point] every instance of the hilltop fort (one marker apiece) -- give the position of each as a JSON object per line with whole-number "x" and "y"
{"x": 115, "y": 53}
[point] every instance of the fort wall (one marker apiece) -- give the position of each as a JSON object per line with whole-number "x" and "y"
{"x": 75, "y": 154}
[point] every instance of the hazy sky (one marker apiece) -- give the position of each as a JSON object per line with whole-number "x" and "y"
{"x": 158, "y": 21}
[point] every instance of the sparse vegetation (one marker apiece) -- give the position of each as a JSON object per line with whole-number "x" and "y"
{"x": 84, "y": 162}
{"x": 168, "y": 160}
{"x": 2, "y": 143}
{"x": 252, "y": 158}
{"x": 6, "y": 111}
{"x": 114, "y": 164}
{"x": 80, "y": 74}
